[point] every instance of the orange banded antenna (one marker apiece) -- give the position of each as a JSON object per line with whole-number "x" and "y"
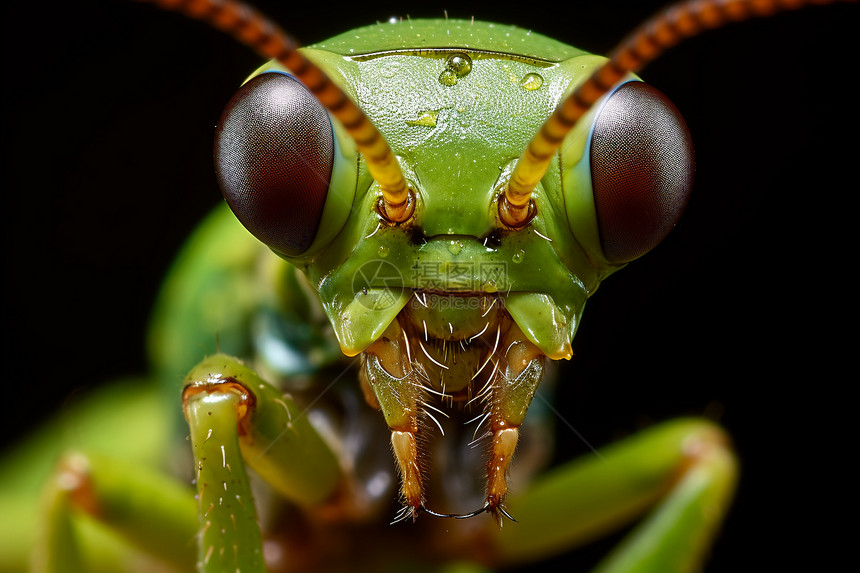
{"x": 657, "y": 34}
{"x": 259, "y": 33}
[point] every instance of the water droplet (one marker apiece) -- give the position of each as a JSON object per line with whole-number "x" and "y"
{"x": 454, "y": 247}
{"x": 383, "y": 251}
{"x": 448, "y": 78}
{"x": 458, "y": 65}
{"x": 490, "y": 285}
{"x": 518, "y": 256}
{"x": 532, "y": 81}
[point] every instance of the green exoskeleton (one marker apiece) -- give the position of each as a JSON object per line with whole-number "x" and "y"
{"x": 437, "y": 239}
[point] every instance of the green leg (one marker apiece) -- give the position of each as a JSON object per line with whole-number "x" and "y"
{"x": 229, "y": 534}
{"x": 126, "y": 421}
{"x": 151, "y": 513}
{"x": 237, "y": 419}
{"x": 684, "y": 469}
{"x": 58, "y": 547}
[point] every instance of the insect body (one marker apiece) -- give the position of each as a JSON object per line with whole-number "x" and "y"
{"x": 453, "y": 308}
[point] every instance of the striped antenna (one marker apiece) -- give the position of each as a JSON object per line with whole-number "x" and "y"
{"x": 669, "y": 27}
{"x": 266, "y": 38}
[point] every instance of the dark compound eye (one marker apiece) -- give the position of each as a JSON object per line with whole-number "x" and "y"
{"x": 641, "y": 170}
{"x": 274, "y": 151}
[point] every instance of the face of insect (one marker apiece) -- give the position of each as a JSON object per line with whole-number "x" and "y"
{"x": 451, "y": 305}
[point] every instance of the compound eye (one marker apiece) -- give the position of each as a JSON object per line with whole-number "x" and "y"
{"x": 274, "y": 152}
{"x": 641, "y": 170}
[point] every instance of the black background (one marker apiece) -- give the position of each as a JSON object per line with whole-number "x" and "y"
{"x": 108, "y": 119}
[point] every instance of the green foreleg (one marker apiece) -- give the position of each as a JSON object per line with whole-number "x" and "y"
{"x": 57, "y": 547}
{"x": 677, "y": 535}
{"x": 683, "y": 468}
{"x": 229, "y": 535}
{"x": 151, "y": 512}
{"x": 237, "y": 418}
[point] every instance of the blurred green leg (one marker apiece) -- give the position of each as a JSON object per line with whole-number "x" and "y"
{"x": 677, "y": 535}
{"x": 683, "y": 469}
{"x": 124, "y": 421}
{"x": 237, "y": 419}
{"x": 57, "y": 546}
{"x": 150, "y": 511}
